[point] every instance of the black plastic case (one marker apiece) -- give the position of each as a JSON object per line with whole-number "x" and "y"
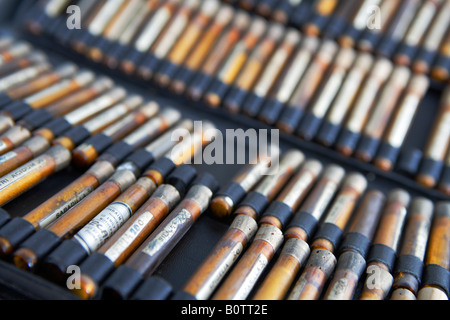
{"x": 198, "y": 243}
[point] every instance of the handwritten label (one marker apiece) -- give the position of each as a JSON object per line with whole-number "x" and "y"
{"x": 166, "y": 234}
{"x": 129, "y": 236}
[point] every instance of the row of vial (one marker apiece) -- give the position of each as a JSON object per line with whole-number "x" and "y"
{"x": 414, "y": 33}
{"x": 313, "y": 232}
{"x": 359, "y": 104}
{"x": 301, "y": 230}
{"x": 57, "y": 116}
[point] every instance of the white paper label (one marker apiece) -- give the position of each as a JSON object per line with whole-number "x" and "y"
{"x": 8, "y": 156}
{"x": 151, "y": 32}
{"x": 404, "y": 117}
{"x": 3, "y": 146}
{"x": 103, "y": 226}
{"x": 129, "y": 236}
